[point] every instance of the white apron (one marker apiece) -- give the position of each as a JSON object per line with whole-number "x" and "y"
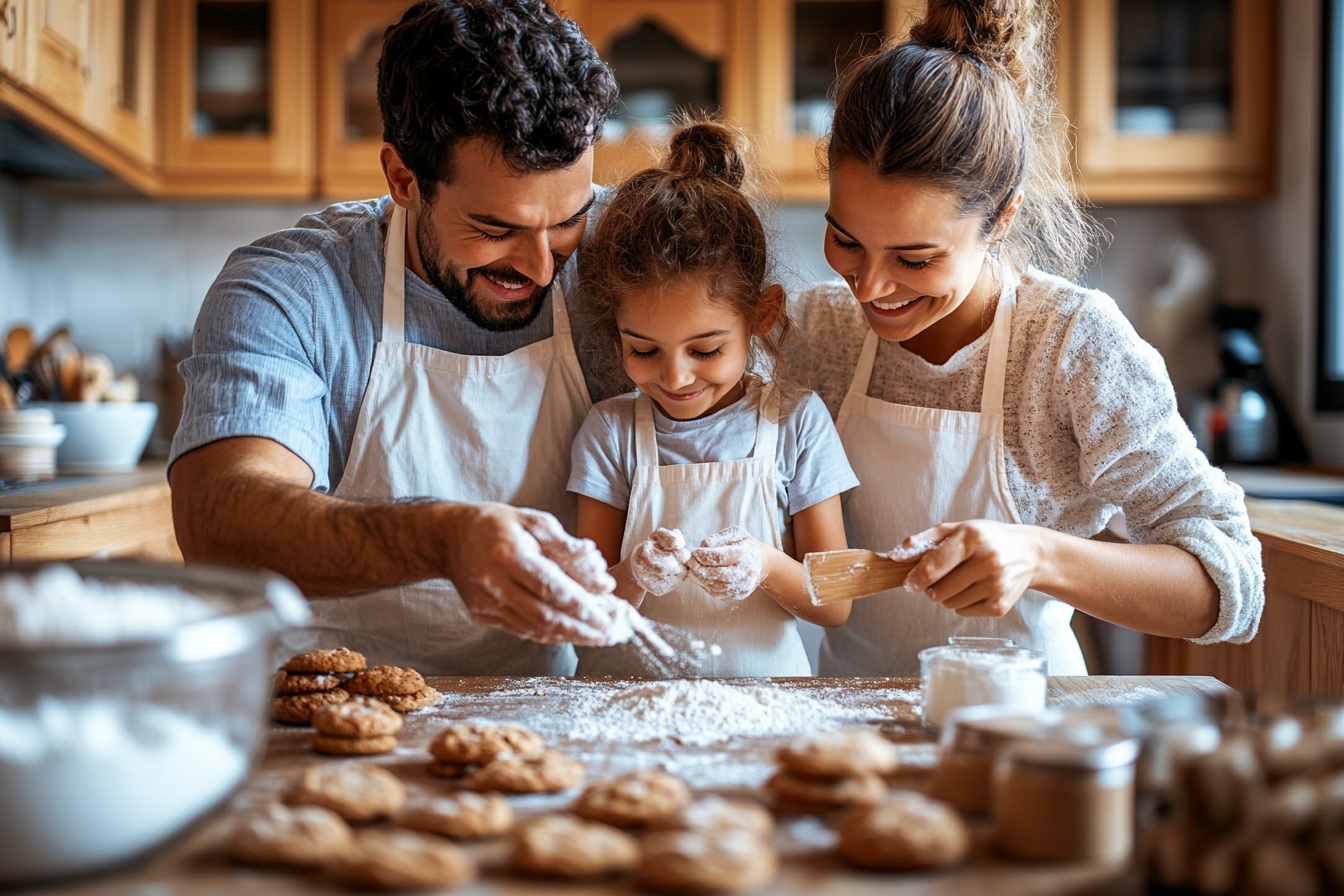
{"x": 456, "y": 428}
{"x": 756, "y": 636}
{"x": 921, "y": 467}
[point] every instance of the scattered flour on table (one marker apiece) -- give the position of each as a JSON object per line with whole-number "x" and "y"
{"x": 1098, "y": 693}
{"x": 696, "y": 712}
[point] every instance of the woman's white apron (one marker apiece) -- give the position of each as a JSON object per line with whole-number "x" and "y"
{"x": 920, "y": 467}
{"x": 754, "y": 636}
{"x": 435, "y": 424}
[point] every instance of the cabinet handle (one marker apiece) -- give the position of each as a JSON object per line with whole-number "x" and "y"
{"x": 9, "y": 15}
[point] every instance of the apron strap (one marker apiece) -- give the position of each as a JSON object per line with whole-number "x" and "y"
{"x": 864, "y": 371}
{"x": 394, "y": 278}
{"x": 767, "y": 423}
{"x": 996, "y": 364}
{"x": 559, "y": 312}
{"x": 646, "y": 438}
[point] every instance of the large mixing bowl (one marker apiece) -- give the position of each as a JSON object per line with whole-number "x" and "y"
{"x": 108, "y": 750}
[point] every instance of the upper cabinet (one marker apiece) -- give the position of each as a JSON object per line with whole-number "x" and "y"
{"x": 238, "y": 80}
{"x": 10, "y": 42}
{"x": 669, "y": 56}
{"x": 58, "y": 52}
{"x": 122, "y": 102}
{"x": 804, "y": 46}
{"x": 1170, "y": 101}
{"x": 350, "y": 130}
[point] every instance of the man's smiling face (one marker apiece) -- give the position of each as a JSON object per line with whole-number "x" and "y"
{"x": 492, "y": 239}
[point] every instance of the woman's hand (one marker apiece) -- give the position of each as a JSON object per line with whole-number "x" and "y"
{"x": 977, "y": 568}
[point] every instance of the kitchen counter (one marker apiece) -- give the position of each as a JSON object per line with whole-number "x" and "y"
{"x": 1299, "y": 649}
{"x": 124, "y": 515}
{"x": 612, "y": 728}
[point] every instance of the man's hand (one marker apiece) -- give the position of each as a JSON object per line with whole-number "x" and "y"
{"x": 658, "y": 563}
{"x": 728, "y": 564}
{"x": 518, "y": 570}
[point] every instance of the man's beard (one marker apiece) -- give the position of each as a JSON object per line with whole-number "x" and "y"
{"x": 499, "y": 317}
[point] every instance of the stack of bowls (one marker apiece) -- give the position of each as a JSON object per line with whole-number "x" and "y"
{"x": 28, "y": 440}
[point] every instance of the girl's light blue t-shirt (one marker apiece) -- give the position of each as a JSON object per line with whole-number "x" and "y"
{"x": 810, "y": 462}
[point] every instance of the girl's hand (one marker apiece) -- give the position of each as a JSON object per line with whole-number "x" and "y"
{"x": 658, "y": 563}
{"x": 728, "y": 564}
{"x": 977, "y": 568}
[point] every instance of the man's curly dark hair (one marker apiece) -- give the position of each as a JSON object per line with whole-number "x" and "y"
{"x": 513, "y": 71}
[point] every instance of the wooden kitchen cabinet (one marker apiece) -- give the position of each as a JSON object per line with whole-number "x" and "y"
{"x": 58, "y": 53}
{"x": 239, "y": 94}
{"x": 11, "y": 44}
{"x": 126, "y": 515}
{"x": 122, "y": 102}
{"x": 804, "y": 45}
{"x": 1171, "y": 102}
{"x": 350, "y": 130}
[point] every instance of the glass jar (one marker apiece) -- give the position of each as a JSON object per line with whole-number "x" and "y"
{"x": 979, "y": 672}
{"x": 1065, "y": 801}
{"x": 971, "y": 739}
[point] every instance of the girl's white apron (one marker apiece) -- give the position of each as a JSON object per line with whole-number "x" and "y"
{"x": 754, "y": 636}
{"x": 439, "y": 425}
{"x": 920, "y": 467}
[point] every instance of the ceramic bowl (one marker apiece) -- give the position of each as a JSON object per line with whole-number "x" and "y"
{"x": 101, "y": 437}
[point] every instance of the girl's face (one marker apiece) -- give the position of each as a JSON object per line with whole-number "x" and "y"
{"x": 682, "y": 349}
{"x": 916, "y": 266}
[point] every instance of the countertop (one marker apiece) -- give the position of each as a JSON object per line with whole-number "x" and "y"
{"x": 610, "y": 726}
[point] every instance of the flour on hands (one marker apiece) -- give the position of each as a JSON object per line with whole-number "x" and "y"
{"x": 658, "y": 563}
{"x": 727, "y": 564}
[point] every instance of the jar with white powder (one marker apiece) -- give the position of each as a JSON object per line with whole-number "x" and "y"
{"x": 133, "y": 700}
{"x": 979, "y": 672}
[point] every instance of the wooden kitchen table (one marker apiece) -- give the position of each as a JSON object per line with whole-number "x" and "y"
{"x": 616, "y": 726}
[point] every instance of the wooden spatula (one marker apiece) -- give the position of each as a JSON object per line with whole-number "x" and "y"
{"x": 843, "y": 575}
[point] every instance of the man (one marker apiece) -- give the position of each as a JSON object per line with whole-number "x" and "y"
{"x": 375, "y": 393}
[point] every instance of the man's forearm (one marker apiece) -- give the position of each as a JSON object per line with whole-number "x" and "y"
{"x": 325, "y": 545}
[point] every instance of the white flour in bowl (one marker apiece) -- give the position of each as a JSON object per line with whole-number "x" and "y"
{"x": 85, "y": 783}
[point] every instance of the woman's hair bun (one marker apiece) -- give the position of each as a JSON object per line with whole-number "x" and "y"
{"x": 988, "y": 30}
{"x": 709, "y": 149}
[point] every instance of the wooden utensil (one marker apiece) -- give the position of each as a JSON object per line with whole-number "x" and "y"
{"x": 843, "y": 575}
{"x": 18, "y": 348}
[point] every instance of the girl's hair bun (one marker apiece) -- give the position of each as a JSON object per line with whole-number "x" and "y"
{"x": 709, "y": 149}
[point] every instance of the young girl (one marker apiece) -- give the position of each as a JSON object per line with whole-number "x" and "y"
{"x": 704, "y": 486}
{"x": 990, "y": 405}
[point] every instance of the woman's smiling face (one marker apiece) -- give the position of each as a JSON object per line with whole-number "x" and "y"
{"x": 916, "y": 265}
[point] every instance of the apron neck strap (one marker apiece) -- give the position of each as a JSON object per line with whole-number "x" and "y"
{"x": 394, "y": 278}
{"x": 646, "y": 438}
{"x": 767, "y": 420}
{"x": 864, "y": 371}
{"x": 996, "y": 364}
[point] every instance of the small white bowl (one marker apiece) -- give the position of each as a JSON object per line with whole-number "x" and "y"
{"x": 101, "y": 437}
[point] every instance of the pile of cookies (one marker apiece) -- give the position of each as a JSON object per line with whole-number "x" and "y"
{"x": 845, "y": 771}
{"x": 501, "y": 757}
{"x": 319, "y": 678}
{"x": 361, "y": 726}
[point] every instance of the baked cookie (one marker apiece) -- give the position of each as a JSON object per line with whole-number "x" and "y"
{"x": 354, "y": 746}
{"x": 473, "y": 743}
{"x": 451, "y": 771}
{"x": 715, "y": 813}
{"x": 297, "y": 836}
{"x": 563, "y": 846}
{"x": 800, "y": 793}
{"x": 633, "y": 798}
{"x": 379, "y": 680}
{"x": 462, "y": 816}
{"x": 426, "y": 696}
{"x": 394, "y": 859}
{"x": 706, "y": 862}
{"x": 358, "y": 717}
{"x": 906, "y": 830}
{"x": 356, "y": 791}
{"x": 839, "y": 754}
{"x": 550, "y": 772}
{"x": 298, "y": 709}
{"x": 338, "y": 659}
{"x": 304, "y": 682}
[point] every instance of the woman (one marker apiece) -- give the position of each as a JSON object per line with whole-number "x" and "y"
{"x": 991, "y": 409}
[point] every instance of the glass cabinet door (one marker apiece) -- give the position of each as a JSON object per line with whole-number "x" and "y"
{"x": 806, "y": 45}
{"x": 1171, "y": 100}
{"x": 669, "y": 57}
{"x": 240, "y": 107}
{"x": 350, "y": 128}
